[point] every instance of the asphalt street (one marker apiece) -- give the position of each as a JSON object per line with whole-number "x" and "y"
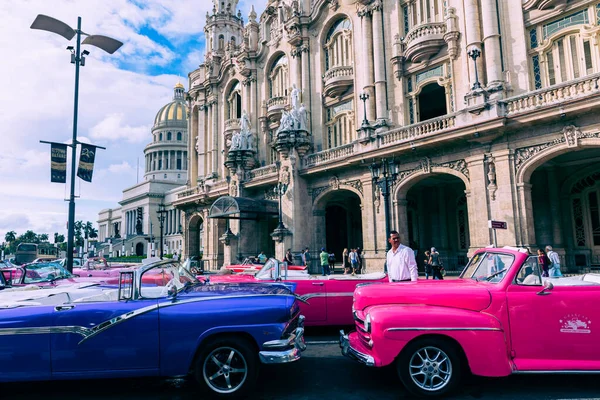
{"x": 322, "y": 373}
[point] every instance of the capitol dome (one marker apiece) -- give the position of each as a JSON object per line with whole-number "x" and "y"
{"x": 174, "y": 113}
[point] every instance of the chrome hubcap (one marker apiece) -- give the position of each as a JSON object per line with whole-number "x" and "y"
{"x": 225, "y": 370}
{"x": 430, "y": 368}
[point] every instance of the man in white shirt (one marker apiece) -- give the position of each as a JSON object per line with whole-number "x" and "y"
{"x": 401, "y": 263}
{"x": 555, "y": 260}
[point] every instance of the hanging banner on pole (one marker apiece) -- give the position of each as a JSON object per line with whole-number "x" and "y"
{"x": 86, "y": 162}
{"x": 58, "y": 163}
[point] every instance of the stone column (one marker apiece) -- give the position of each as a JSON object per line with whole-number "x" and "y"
{"x": 319, "y": 239}
{"x": 473, "y": 38}
{"x": 306, "y": 87}
{"x": 297, "y": 67}
{"x": 555, "y": 208}
{"x": 379, "y": 55}
{"x": 402, "y": 211}
{"x": 491, "y": 41}
{"x": 526, "y": 215}
{"x": 368, "y": 67}
{"x": 499, "y": 184}
{"x": 477, "y": 204}
{"x": 215, "y": 137}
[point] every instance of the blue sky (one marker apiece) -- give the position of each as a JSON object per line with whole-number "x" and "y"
{"x": 119, "y": 97}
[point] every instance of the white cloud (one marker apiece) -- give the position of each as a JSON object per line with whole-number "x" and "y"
{"x": 116, "y": 106}
{"x": 114, "y": 128}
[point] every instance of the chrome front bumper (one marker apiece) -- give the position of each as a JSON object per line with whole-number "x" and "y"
{"x": 354, "y": 354}
{"x": 285, "y": 350}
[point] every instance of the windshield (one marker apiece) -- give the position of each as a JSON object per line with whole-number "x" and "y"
{"x": 268, "y": 270}
{"x": 491, "y": 267}
{"x": 165, "y": 279}
{"x": 45, "y": 272}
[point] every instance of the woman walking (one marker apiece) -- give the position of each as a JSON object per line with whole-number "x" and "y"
{"x": 427, "y": 265}
{"x": 345, "y": 262}
{"x": 543, "y": 262}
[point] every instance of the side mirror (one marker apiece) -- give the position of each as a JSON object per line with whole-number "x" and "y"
{"x": 548, "y": 286}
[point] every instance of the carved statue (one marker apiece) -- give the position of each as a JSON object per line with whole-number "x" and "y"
{"x": 302, "y": 118}
{"x": 235, "y": 141}
{"x": 245, "y": 122}
{"x": 295, "y": 97}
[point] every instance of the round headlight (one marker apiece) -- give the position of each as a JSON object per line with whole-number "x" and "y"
{"x": 368, "y": 323}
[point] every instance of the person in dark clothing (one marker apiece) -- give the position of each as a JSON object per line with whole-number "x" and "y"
{"x": 289, "y": 258}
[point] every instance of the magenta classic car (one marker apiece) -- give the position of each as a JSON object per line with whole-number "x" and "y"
{"x": 501, "y": 318}
{"x": 327, "y": 299}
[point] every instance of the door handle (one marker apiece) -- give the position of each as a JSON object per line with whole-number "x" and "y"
{"x": 317, "y": 283}
{"x": 63, "y": 308}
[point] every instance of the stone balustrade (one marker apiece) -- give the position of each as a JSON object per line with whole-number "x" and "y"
{"x": 423, "y": 41}
{"x": 189, "y": 192}
{"x": 337, "y": 72}
{"x": 425, "y": 30}
{"x": 337, "y": 80}
{"x": 416, "y": 131}
{"x": 231, "y": 124}
{"x": 262, "y": 171}
{"x": 553, "y": 95}
{"x": 276, "y": 101}
{"x": 325, "y": 156}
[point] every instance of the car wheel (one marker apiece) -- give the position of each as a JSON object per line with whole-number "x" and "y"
{"x": 430, "y": 367}
{"x": 227, "y": 367}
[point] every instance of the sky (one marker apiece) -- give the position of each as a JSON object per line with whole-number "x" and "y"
{"x": 119, "y": 96}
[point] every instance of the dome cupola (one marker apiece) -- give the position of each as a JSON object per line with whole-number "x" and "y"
{"x": 174, "y": 113}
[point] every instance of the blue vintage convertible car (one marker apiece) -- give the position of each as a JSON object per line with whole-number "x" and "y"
{"x": 157, "y": 321}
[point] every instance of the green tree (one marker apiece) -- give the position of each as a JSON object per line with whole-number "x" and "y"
{"x": 10, "y": 236}
{"x": 28, "y": 237}
{"x": 58, "y": 238}
{"x": 78, "y": 236}
{"x": 43, "y": 237}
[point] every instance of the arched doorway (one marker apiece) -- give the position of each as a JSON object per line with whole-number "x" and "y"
{"x": 139, "y": 249}
{"x": 343, "y": 223}
{"x": 436, "y": 216}
{"x": 432, "y": 102}
{"x": 195, "y": 236}
{"x": 565, "y": 203}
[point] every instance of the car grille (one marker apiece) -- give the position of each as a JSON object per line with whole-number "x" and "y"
{"x": 363, "y": 335}
{"x": 292, "y": 325}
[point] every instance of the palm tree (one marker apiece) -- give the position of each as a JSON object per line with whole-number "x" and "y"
{"x": 10, "y": 236}
{"x": 58, "y": 238}
{"x": 78, "y": 226}
{"x": 29, "y": 237}
{"x": 43, "y": 237}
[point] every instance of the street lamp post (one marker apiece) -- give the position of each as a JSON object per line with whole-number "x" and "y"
{"x": 281, "y": 188}
{"x": 364, "y": 96}
{"x": 474, "y": 53}
{"x": 110, "y": 45}
{"x": 161, "y": 219}
{"x": 384, "y": 175}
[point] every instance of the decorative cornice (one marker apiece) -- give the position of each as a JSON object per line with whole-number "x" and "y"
{"x": 426, "y": 166}
{"x": 335, "y": 184}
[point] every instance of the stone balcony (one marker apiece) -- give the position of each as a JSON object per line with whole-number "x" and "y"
{"x": 232, "y": 124}
{"x": 424, "y": 41}
{"x": 337, "y": 80}
{"x": 275, "y": 107}
{"x": 329, "y": 155}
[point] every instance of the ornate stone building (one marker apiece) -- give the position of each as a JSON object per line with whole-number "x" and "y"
{"x": 488, "y": 109}
{"x": 134, "y": 227}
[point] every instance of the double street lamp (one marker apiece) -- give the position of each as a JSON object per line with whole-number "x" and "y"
{"x": 384, "y": 174}
{"x": 110, "y": 45}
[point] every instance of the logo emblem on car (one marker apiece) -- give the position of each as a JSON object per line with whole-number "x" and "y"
{"x": 575, "y": 323}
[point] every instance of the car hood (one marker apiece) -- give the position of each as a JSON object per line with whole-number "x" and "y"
{"x": 457, "y": 293}
{"x": 239, "y": 289}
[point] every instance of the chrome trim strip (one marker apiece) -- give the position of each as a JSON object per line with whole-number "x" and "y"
{"x": 443, "y": 329}
{"x": 325, "y": 294}
{"x": 88, "y": 333}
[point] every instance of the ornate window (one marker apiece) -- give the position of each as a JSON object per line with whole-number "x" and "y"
{"x": 420, "y": 12}
{"x": 340, "y": 125}
{"x": 338, "y": 45}
{"x": 179, "y": 136}
{"x": 563, "y": 49}
{"x": 278, "y": 78}
{"x": 586, "y": 210}
{"x": 429, "y": 94}
{"x": 234, "y": 102}
{"x": 221, "y": 42}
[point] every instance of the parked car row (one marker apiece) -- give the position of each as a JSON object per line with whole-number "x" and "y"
{"x": 501, "y": 317}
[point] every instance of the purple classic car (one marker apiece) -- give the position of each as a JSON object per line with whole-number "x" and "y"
{"x": 218, "y": 334}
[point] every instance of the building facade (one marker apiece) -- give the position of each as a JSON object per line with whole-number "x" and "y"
{"x": 134, "y": 228}
{"x": 484, "y": 110}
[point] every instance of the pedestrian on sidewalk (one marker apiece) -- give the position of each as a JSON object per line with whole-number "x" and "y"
{"x": 543, "y": 262}
{"x": 306, "y": 259}
{"x": 554, "y": 270}
{"x": 436, "y": 264}
{"x": 331, "y": 260}
{"x": 324, "y": 261}
{"x": 353, "y": 261}
{"x": 289, "y": 258}
{"x": 345, "y": 262}
{"x": 400, "y": 261}
{"x": 428, "y": 271}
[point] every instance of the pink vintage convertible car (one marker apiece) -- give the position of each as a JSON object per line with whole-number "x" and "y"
{"x": 327, "y": 300}
{"x": 249, "y": 265}
{"x": 501, "y": 318}
{"x": 99, "y": 268}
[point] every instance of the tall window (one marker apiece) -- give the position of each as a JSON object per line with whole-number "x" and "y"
{"x": 585, "y": 203}
{"x": 234, "y": 102}
{"x": 340, "y": 125}
{"x": 179, "y": 136}
{"x": 221, "y": 42}
{"x": 160, "y": 136}
{"x": 560, "y": 53}
{"x": 169, "y": 136}
{"x": 278, "y": 78}
{"x": 338, "y": 46}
